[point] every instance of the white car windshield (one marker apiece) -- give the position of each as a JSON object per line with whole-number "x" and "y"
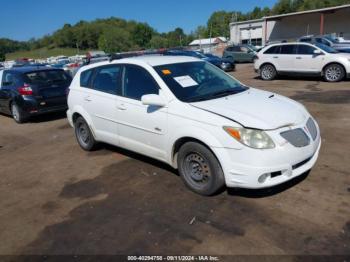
{"x": 198, "y": 81}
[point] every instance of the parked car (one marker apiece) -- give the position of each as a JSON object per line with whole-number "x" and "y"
{"x": 190, "y": 114}
{"x": 302, "y": 59}
{"x": 29, "y": 91}
{"x": 224, "y": 64}
{"x": 326, "y": 40}
{"x": 240, "y": 53}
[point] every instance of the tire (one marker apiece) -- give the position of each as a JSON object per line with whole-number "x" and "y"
{"x": 84, "y": 135}
{"x": 333, "y": 73}
{"x": 268, "y": 72}
{"x": 199, "y": 169}
{"x": 17, "y": 114}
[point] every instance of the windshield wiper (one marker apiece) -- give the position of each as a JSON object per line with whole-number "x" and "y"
{"x": 223, "y": 93}
{"x": 218, "y": 94}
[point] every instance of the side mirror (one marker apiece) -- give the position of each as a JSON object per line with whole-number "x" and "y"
{"x": 318, "y": 52}
{"x": 153, "y": 100}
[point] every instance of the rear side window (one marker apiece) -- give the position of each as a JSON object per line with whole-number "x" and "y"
{"x": 108, "y": 79}
{"x": 138, "y": 82}
{"x": 288, "y": 49}
{"x": 47, "y": 77}
{"x": 273, "y": 50}
{"x": 305, "y": 50}
{"x": 85, "y": 78}
{"x": 9, "y": 79}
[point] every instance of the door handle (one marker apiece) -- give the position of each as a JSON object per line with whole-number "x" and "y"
{"x": 121, "y": 107}
{"x": 275, "y": 57}
{"x": 298, "y": 57}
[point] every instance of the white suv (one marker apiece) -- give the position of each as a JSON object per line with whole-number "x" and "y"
{"x": 302, "y": 59}
{"x": 195, "y": 117}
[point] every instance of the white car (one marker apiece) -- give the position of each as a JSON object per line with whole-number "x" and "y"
{"x": 302, "y": 59}
{"x": 195, "y": 117}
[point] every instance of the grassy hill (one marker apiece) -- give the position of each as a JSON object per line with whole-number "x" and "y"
{"x": 43, "y": 53}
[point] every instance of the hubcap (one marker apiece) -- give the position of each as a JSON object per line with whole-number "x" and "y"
{"x": 83, "y": 134}
{"x": 267, "y": 72}
{"x": 197, "y": 169}
{"x": 333, "y": 73}
{"x": 15, "y": 112}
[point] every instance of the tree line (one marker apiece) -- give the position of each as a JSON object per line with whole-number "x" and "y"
{"x": 117, "y": 35}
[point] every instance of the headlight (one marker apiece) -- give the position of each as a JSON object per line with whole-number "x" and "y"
{"x": 250, "y": 137}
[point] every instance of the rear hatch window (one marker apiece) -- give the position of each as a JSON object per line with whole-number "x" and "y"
{"x": 47, "y": 78}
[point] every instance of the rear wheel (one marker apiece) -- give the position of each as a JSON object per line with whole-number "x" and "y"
{"x": 199, "y": 169}
{"x": 83, "y": 134}
{"x": 268, "y": 72}
{"x": 17, "y": 114}
{"x": 334, "y": 73}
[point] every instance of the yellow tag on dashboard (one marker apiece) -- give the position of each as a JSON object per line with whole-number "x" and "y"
{"x": 166, "y": 72}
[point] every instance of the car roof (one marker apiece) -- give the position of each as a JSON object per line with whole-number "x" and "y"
{"x": 152, "y": 60}
{"x": 27, "y": 69}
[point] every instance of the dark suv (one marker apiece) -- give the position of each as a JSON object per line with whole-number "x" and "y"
{"x": 28, "y": 91}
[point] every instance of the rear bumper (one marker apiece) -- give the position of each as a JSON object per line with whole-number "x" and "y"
{"x": 34, "y": 106}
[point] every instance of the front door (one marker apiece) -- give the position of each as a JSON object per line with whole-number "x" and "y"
{"x": 307, "y": 61}
{"x": 142, "y": 128}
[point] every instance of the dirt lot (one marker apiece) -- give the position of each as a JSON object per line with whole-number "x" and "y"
{"x": 58, "y": 199}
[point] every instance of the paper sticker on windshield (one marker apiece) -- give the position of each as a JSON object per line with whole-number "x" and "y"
{"x": 185, "y": 81}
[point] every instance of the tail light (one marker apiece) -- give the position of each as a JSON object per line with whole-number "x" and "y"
{"x": 25, "y": 90}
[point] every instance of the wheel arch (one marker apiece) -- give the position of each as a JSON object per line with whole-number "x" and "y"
{"x": 331, "y": 63}
{"x": 267, "y": 63}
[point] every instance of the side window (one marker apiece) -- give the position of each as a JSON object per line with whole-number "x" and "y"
{"x": 138, "y": 82}
{"x": 8, "y": 79}
{"x": 237, "y": 49}
{"x": 244, "y": 49}
{"x": 108, "y": 79}
{"x": 305, "y": 50}
{"x": 273, "y": 50}
{"x": 288, "y": 49}
{"x": 85, "y": 78}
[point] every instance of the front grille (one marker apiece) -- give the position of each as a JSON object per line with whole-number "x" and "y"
{"x": 296, "y": 137}
{"x": 311, "y": 126}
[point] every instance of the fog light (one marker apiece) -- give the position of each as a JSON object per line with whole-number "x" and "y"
{"x": 263, "y": 178}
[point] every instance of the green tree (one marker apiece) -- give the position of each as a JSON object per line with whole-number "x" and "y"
{"x": 2, "y": 56}
{"x": 114, "y": 40}
{"x": 142, "y": 34}
{"x": 158, "y": 41}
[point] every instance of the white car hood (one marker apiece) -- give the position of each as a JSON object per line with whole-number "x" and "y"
{"x": 257, "y": 109}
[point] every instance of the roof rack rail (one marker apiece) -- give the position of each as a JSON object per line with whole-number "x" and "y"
{"x": 160, "y": 51}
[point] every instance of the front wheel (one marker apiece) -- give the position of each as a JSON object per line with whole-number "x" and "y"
{"x": 334, "y": 73}
{"x": 268, "y": 72}
{"x": 84, "y": 136}
{"x": 199, "y": 169}
{"x": 17, "y": 114}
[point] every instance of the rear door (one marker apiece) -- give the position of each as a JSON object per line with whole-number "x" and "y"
{"x": 49, "y": 87}
{"x": 8, "y": 83}
{"x": 99, "y": 101}
{"x": 286, "y": 58}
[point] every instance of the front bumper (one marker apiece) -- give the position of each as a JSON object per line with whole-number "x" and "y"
{"x": 244, "y": 167}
